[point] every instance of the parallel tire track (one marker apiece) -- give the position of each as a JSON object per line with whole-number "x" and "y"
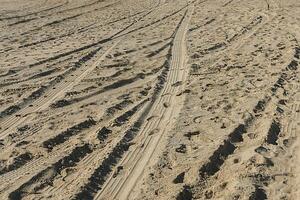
{"x": 165, "y": 108}
{"x": 61, "y": 88}
{"x": 30, "y": 173}
{"x": 235, "y": 138}
{"x": 148, "y": 132}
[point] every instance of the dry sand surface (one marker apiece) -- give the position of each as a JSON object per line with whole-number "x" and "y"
{"x": 149, "y": 99}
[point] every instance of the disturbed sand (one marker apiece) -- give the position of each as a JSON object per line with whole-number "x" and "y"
{"x": 150, "y": 99}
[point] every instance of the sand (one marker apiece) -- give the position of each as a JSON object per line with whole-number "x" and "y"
{"x": 149, "y": 99}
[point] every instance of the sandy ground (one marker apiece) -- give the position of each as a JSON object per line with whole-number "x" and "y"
{"x": 149, "y": 99}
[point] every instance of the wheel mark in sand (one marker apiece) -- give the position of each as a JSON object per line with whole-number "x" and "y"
{"x": 10, "y": 176}
{"x": 116, "y": 86}
{"x": 104, "y": 135}
{"x": 79, "y": 30}
{"x": 99, "y": 176}
{"x": 9, "y": 124}
{"x": 47, "y": 175}
{"x": 39, "y": 166}
{"x": 135, "y": 160}
{"x": 277, "y": 127}
{"x": 118, "y": 146}
{"x": 220, "y": 155}
{"x": 240, "y": 42}
{"x": 152, "y": 23}
{"x": 34, "y": 13}
{"x": 102, "y": 41}
{"x": 58, "y": 21}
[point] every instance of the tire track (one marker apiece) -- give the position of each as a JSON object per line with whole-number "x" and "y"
{"x": 104, "y": 135}
{"x": 175, "y": 73}
{"x": 90, "y": 27}
{"x": 137, "y": 159}
{"x": 27, "y": 7}
{"x": 94, "y": 44}
{"x": 117, "y": 85}
{"x": 230, "y": 146}
{"x": 79, "y": 155}
{"x": 239, "y": 39}
{"x": 58, "y": 21}
{"x": 15, "y": 109}
{"x": 84, "y": 29}
{"x": 80, "y": 30}
{"x": 25, "y": 172}
{"x": 34, "y": 13}
{"x": 281, "y": 125}
{"x": 237, "y": 43}
{"x": 35, "y": 76}
{"x": 47, "y": 176}
{"x": 152, "y": 23}
{"x": 61, "y": 88}
{"x": 227, "y": 3}
{"x": 78, "y": 7}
